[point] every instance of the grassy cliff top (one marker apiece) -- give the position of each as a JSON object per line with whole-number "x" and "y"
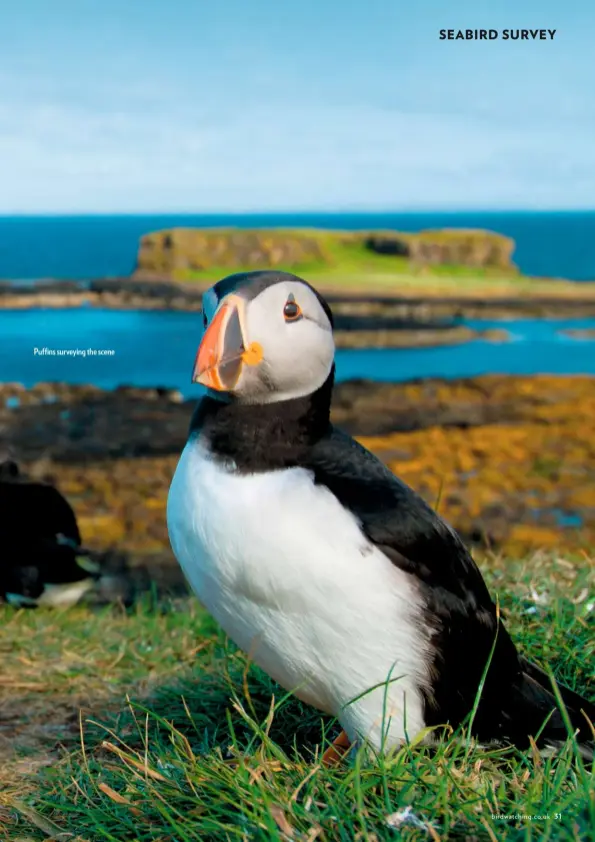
{"x": 328, "y": 258}
{"x": 432, "y": 262}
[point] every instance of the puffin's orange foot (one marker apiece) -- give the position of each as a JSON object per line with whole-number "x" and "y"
{"x": 336, "y": 751}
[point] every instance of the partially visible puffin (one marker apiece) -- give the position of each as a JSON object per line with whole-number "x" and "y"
{"x": 42, "y": 561}
{"x": 336, "y": 578}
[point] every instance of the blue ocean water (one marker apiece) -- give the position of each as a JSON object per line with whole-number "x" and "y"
{"x": 549, "y": 244}
{"x": 152, "y": 348}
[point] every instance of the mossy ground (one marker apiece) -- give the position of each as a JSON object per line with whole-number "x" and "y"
{"x": 180, "y": 739}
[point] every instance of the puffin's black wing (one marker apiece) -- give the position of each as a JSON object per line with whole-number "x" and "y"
{"x": 458, "y": 606}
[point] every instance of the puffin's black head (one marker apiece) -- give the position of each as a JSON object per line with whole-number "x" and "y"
{"x": 9, "y": 469}
{"x": 268, "y": 337}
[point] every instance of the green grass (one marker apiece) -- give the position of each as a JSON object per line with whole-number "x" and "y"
{"x": 180, "y": 739}
{"x": 375, "y": 275}
{"x": 351, "y": 267}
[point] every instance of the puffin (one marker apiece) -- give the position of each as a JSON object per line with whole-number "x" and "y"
{"x": 333, "y": 575}
{"x": 42, "y": 561}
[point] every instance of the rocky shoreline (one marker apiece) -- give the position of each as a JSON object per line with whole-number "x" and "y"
{"x": 510, "y": 459}
{"x": 129, "y": 293}
{"x": 579, "y": 333}
{"x": 360, "y": 321}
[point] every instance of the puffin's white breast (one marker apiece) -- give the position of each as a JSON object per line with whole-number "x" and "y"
{"x": 288, "y": 574}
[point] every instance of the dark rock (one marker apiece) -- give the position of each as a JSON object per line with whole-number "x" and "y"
{"x": 579, "y": 333}
{"x": 394, "y": 246}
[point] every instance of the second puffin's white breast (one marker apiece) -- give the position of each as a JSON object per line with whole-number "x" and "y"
{"x": 288, "y": 574}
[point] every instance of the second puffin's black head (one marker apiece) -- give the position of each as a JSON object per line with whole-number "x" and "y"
{"x": 268, "y": 337}
{"x": 9, "y": 469}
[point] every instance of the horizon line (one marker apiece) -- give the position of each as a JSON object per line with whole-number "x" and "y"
{"x": 297, "y": 212}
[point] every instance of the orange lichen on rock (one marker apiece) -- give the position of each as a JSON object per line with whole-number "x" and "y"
{"x": 509, "y": 461}
{"x": 520, "y": 484}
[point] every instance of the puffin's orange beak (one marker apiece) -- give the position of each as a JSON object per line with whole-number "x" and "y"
{"x": 223, "y": 350}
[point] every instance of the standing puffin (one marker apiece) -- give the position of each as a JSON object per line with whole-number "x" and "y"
{"x": 42, "y": 561}
{"x": 336, "y": 578}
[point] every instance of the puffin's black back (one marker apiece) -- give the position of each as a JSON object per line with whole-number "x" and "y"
{"x": 32, "y": 517}
{"x": 32, "y": 510}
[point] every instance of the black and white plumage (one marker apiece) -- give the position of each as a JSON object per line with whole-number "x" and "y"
{"x": 42, "y": 561}
{"x": 320, "y": 563}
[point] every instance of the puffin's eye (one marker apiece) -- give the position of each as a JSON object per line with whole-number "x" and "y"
{"x": 292, "y": 310}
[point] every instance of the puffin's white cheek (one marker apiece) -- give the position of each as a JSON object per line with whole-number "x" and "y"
{"x": 304, "y": 371}
{"x": 321, "y": 355}
{"x": 250, "y": 382}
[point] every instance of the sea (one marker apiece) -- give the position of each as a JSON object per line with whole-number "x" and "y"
{"x": 148, "y": 348}
{"x": 548, "y": 244}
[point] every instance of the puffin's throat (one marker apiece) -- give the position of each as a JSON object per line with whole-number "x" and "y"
{"x": 263, "y": 437}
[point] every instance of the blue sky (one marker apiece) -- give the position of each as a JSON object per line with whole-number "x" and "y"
{"x": 198, "y": 105}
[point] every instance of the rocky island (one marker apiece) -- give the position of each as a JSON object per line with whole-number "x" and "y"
{"x": 200, "y": 254}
